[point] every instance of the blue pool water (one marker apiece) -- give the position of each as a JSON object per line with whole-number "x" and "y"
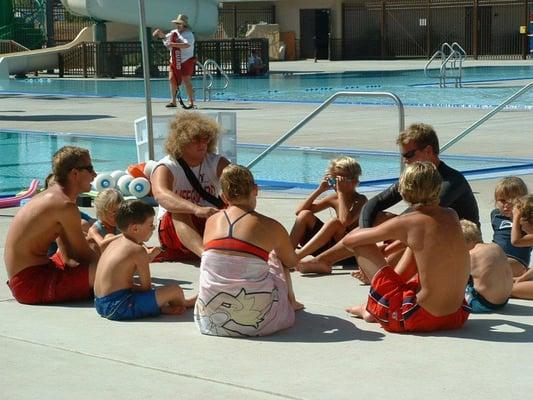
{"x": 411, "y": 86}
{"x": 26, "y": 156}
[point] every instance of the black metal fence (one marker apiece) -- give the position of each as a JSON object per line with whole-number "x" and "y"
{"x": 234, "y": 18}
{"x": 416, "y": 28}
{"x": 124, "y": 59}
{"x": 62, "y": 27}
{"x": 10, "y": 46}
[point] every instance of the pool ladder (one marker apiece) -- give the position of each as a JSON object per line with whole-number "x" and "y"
{"x": 451, "y": 57}
{"x": 207, "y": 78}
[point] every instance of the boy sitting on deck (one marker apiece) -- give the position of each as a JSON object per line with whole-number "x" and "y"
{"x": 315, "y": 236}
{"x": 117, "y": 297}
{"x": 425, "y": 291}
{"x": 491, "y": 276}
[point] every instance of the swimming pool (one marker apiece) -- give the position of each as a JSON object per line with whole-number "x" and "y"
{"x": 410, "y": 85}
{"x": 27, "y": 155}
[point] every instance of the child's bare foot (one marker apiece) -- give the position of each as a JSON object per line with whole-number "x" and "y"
{"x": 359, "y": 274}
{"x": 173, "y": 310}
{"x": 189, "y": 303}
{"x": 313, "y": 264}
{"x": 356, "y": 311}
{"x": 297, "y": 306}
{"x": 360, "y": 312}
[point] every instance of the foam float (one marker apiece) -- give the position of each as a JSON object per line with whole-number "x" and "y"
{"x": 14, "y": 201}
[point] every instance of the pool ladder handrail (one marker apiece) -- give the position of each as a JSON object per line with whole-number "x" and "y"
{"x": 487, "y": 116}
{"x": 207, "y": 87}
{"x": 320, "y": 108}
{"x": 449, "y": 62}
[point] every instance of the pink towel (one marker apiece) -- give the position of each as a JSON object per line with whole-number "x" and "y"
{"x": 241, "y": 296}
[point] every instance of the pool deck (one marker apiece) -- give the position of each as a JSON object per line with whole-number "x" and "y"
{"x": 67, "y": 351}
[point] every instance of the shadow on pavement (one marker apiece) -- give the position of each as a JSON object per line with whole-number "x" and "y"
{"x": 57, "y": 117}
{"x": 319, "y": 328}
{"x": 490, "y": 330}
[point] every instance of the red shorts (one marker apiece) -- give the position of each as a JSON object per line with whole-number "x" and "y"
{"x": 393, "y": 303}
{"x": 50, "y": 283}
{"x": 187, "y": 69}
{"x": 174, "y": 249}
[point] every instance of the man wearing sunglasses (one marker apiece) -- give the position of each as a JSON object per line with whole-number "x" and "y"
{"x": 53, "y": 215}
{"x": 418, "y": 142}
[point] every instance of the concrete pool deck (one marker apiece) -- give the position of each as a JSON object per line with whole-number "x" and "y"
{"x": 68, "y": 351}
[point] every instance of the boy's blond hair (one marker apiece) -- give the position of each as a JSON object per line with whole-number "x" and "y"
{"x": 471, "y": 232}
{"x": 237, "y": 182}
{"x": 344, "y": 166}
{"x": 187, "y": 127}
{"x": 422, "y": 135}
{"x": 66, "y": 159}
{"x": 420, "y": 183}
{"x": 106, "y": 200}
{"x": 509, "y": 188}
{"x": 525, "y": 205}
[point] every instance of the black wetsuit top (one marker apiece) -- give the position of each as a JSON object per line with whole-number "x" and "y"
{"x": 502, "y": 237}
{"x": 455, "y": 193}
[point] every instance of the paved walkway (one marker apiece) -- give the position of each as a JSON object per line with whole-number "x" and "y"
{"x": 67, "y": 351}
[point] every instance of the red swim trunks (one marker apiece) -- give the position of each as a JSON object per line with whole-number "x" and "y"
{"x": 393, "y": 303}
{"x": 50, "y": 283}
{"x": 186, "y": 69}
{"x": 174, "y": 249}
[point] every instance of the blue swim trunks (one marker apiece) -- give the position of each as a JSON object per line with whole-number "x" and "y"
{"x": 127, "y": 304}
{"x": 477, "y": 302}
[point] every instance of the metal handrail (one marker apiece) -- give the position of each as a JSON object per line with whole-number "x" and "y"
{"x": 208, "y": 87}
{"x": 205, "y": 74}
{"x": 460, "y": 50}
{"x": 320, "y": 108}
{"x": 438, "y": 53}
{"x": 456, "y": 53}
{"x": 486, "y": 117}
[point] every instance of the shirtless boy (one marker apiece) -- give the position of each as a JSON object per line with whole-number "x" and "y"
{"x": 117, "y": 297}
{"x": 308, "y": 231}
{"x": 51, "y": 215}
{"x": 491, "y": 277}
{"x": 425, "y": 291}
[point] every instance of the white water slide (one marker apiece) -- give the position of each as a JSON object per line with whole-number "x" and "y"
{"x": 203, "y": 19}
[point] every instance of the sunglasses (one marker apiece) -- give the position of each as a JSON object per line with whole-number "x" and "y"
{"x": 409, "y": 154}
{"x": 88, "y": 168}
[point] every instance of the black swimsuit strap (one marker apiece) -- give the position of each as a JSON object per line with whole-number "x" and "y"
{"x": 232, "y": 224}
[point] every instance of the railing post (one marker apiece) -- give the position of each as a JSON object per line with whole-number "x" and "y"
{"x": 383, "y": 29}
{"x": 84, "y": 59}
{"x": 525, "y": 37}
{"x": 428, "y": 29}
{"x": 475, "y": 26}
{"x": 61, "y": 64}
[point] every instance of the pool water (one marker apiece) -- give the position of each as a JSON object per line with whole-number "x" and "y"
{"x": 26, "y": 156}
{"x": 411, "y": 86}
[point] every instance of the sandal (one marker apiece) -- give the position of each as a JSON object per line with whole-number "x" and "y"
{"x": 171, "y": 105}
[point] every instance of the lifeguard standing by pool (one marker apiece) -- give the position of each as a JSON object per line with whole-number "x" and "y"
{"x": 180, "y": 42}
